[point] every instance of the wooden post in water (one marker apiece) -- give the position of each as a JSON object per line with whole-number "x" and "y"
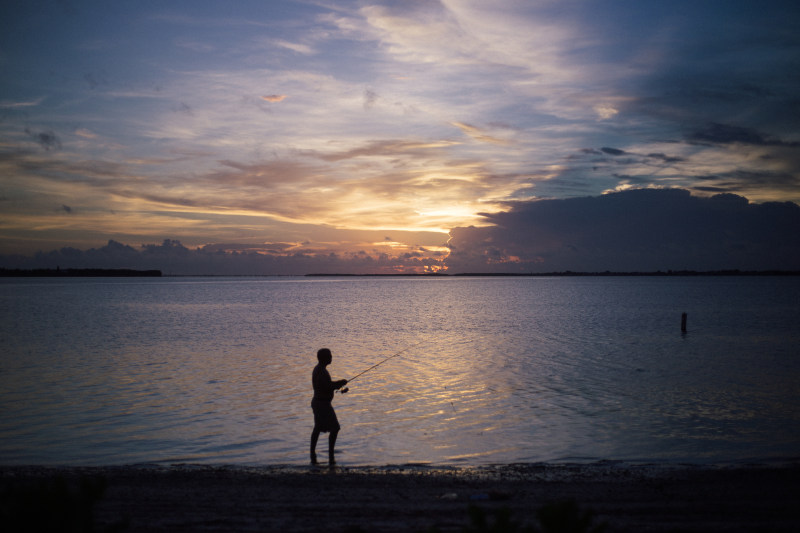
{"x": 683, "y": 323}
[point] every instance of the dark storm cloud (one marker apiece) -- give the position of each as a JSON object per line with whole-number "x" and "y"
{"x": 724, "y": 92}
{"x": 727, "y": 134}
{"x": 637, "y": 230}
{"x": 633, "y": 157}
{"x": 740, "y": 181}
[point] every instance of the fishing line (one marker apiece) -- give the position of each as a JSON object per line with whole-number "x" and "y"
{"x": 346, "y": 389}
{"x": 381, "y": 362}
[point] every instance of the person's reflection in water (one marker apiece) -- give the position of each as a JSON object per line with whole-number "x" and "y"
{"x": 325, "y": 420}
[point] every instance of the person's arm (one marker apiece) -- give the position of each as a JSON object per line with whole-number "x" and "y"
{"x": 339, "y": 384}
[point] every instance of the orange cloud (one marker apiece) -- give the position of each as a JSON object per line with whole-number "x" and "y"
{"x": 273, "y": 97}
{"x": 86, "y": 134}
{"x": 478, "y": 134}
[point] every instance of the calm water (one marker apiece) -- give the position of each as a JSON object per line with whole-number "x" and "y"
{"x": 218, "y": 370}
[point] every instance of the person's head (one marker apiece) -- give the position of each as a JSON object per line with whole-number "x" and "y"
{"x": 324, "y": 356}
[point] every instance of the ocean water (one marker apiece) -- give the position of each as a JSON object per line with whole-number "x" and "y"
{"x": 485, "y": 370}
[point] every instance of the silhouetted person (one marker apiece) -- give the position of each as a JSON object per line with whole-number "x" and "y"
{"x": 325, "y": 420}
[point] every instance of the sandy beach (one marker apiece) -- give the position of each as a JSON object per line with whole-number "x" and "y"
{"x": 621, "y": 497}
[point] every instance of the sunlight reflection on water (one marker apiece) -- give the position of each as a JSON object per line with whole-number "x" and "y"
{"x": 218, "y": 370}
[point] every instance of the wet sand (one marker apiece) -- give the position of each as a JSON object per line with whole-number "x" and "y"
{"x": 624, "y": 497}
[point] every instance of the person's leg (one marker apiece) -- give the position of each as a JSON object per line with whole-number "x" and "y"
{"x": 314, "y": 438}
{"x": 331, "y": 446}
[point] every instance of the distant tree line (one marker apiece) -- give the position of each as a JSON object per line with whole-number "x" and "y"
{"x": 731, "y": 272}
{"x": 567, "y": 273}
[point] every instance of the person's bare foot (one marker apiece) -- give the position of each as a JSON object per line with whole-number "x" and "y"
{"x": 314, "y": 459}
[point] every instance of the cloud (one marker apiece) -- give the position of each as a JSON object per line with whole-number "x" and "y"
{"x": 46, "y": 139}
{"x": 605, "y": 111}
{"x": 636, "y": 230}
{"x": 748, "y": 182}
{"x": 295, "y": 47}
{"x": 666, "y": 158}
{"x": 195, "y": 46}
{"x": 739, "y": 160}
{"x": 173, "y": 258}
{"x": 370, "y": 97}
{"x": 12, "y": 104}
{"x": 387, "y": 147}
{"x": 184, "y": 109}
{"x": 85, "y": 133}
{"x": 264, "y": 248}
{"x": 478, "y": 134}
{"x": 417, "y": 32}
{"x": 470, "y": 104}
{"x": 367, "y": 187}
{"x": 727, "y": 134}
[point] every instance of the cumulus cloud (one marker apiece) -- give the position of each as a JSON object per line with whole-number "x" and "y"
{"x": 636, "y": 230}
{"x": 173, "y": 258}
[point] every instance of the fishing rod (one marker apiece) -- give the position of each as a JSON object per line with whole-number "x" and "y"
{"x": 344, "y": 390}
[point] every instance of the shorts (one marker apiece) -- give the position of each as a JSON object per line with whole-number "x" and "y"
{"x": 324, "y": 416}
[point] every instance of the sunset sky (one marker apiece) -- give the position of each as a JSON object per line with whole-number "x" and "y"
{"x": 258, "y": 137}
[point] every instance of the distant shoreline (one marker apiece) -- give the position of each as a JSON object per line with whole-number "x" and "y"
{"x": 126, "y": 272}
{"x": 569, "y": 273}
{"x": 79, "y": 273}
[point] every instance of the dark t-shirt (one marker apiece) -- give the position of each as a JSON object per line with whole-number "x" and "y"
{"x": 323, "y": 385}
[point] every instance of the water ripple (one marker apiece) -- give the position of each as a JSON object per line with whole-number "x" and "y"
{"x": 492, "y": 369}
